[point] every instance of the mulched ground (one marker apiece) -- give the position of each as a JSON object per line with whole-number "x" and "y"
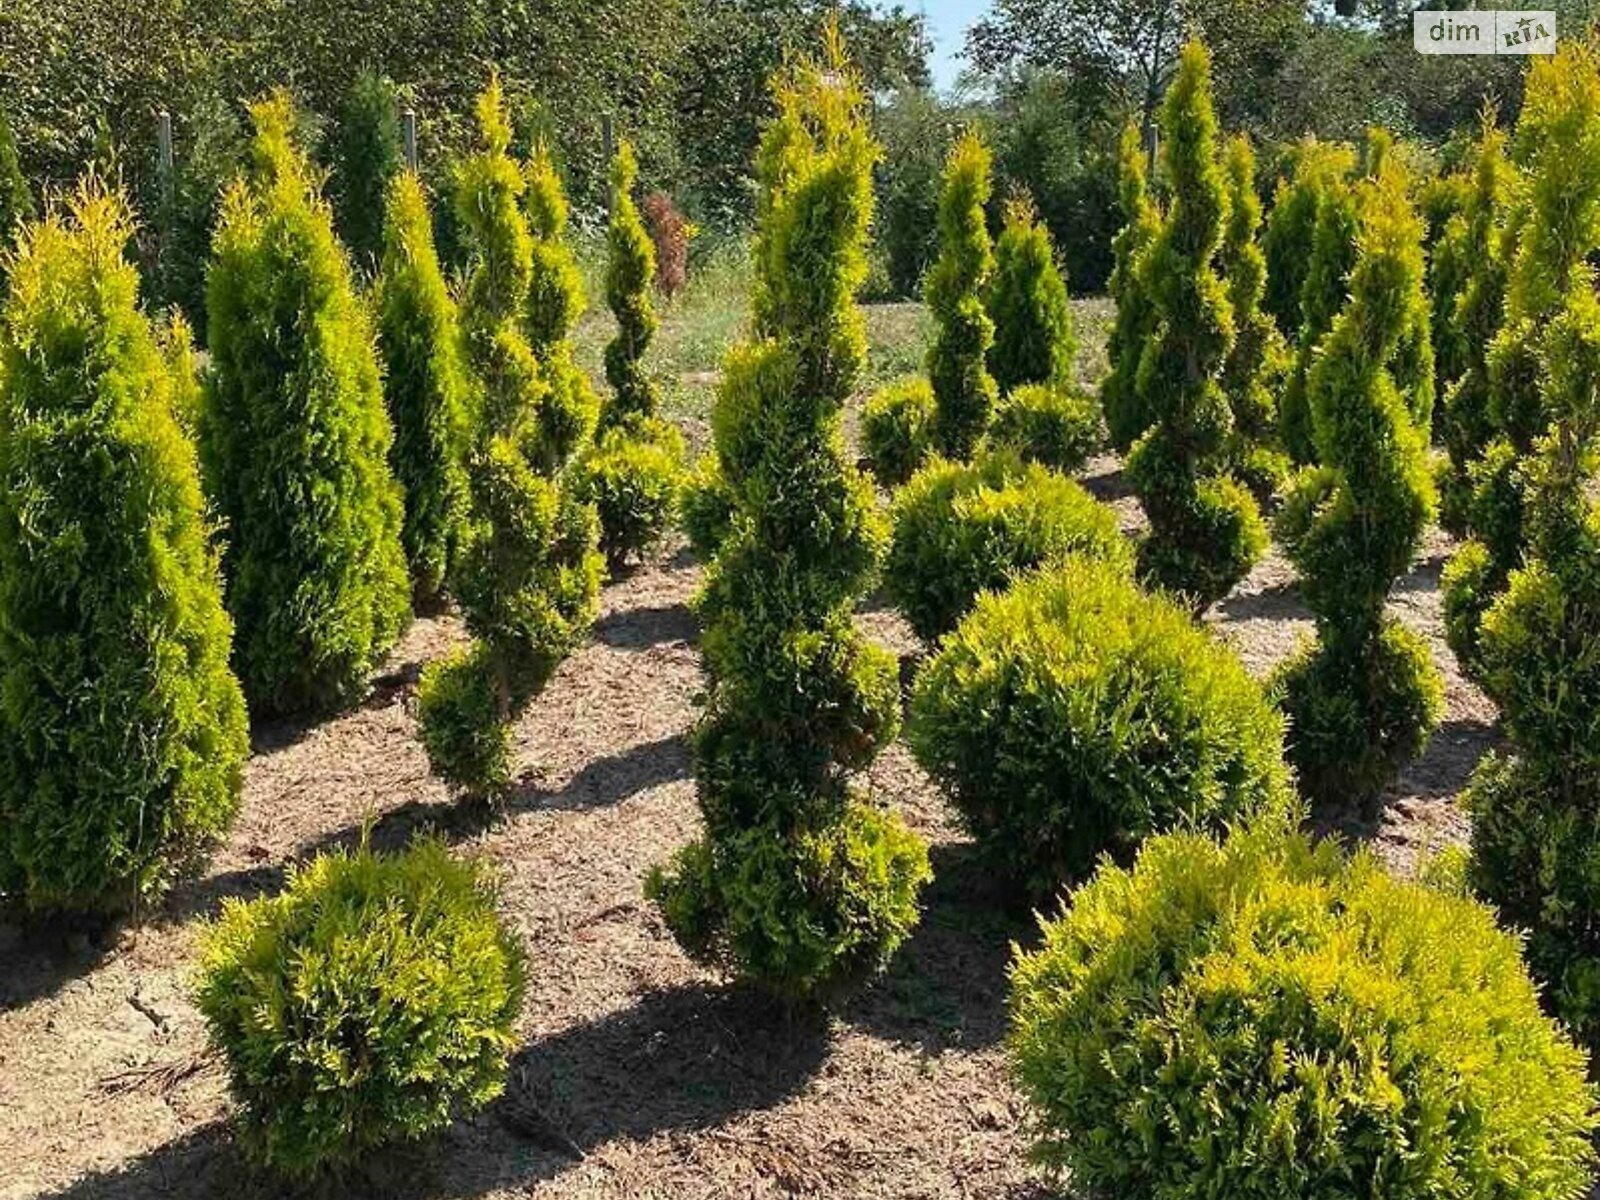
{"x": 639, "y": 1076}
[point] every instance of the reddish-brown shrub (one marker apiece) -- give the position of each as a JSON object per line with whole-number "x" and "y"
{"x": 670, "y": 232}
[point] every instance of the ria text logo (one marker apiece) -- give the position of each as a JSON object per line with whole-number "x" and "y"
{"x": 1484, "y": 31}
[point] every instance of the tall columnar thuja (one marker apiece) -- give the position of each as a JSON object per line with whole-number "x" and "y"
{"x": 799, "y": 883}
{"x": 630, "y": 275}
{"x": 1364, "y": 697}
{"x": 1257, "y": 360}
{"x": 1466, "y": 427}
{"x": 634, "y": 472}
{"x": 428, "y": 387}
{"x": 1330, "y": 256}
{"x": 1028, "y": 303}
{"x": 1443, "y": 202}
{"x": 1543, "y": 246}
{"x": 529, "y": 576}
{"x": 124, "y": 729}
{"x": 367, "y": 155}
{"x": 1136, "y": 312}
{"x": 1536, "y": 828}
{"x": 295, "y": 440}
{"x": 964, "y": 392}
{"x": 1205, "y": 529}
{"x": 1291, "y": 223}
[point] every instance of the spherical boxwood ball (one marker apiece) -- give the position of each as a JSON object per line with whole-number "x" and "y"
{"x": 1050, "y": 425}
{"x": 961, "y": 529}
{"x": 369, "y": 1002}
{"x": 897, "y": 429}
{"x": 1074, "y": 716}
{"x": 1261, "y": 1019}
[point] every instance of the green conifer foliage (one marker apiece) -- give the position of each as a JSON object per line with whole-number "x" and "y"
{"x": 1475, "y": 319}
{"x": 799, "y": 882}
{"x": 634, "y": 473}
{"x": 1126, "y": 419}
{"x": 1028, "y": 303}
{"x": 1255, "y": 365}
{"x": 295, "y": 441}
{"x": 1364, "y": 697}
{"x": 1536, "y": 837}
{"x": 16, "y": 201}
{"x": 367, "y": 155}
{"x": 1326, "y": 286}
{"x": 124, "y": 733}
{"x": 1292, "y": 224}
{"x": 630, "y": 279}
{"x": 569, "y": 408}
{"x": 1205, "y": 529}
{"x": 428, "y": 388}
{"x": 529, "y": 577}
{"x": 964, "y": 390}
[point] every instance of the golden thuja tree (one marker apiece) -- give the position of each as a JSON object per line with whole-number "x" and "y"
{"x": 1205, "y": 528}
{"x": 1363, "y": 697}
{"x": 799, "y": 882}
{"x": 529, "y": 577}
{"x": 1136, "y": 314}
{"x": 1536, "y": 827}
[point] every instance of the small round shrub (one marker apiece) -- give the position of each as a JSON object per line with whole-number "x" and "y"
{"x": 897, "y": 429}
{"x": 371, "y": 1001}
{"x": 1049, "y": 425}
{"x": 1262, "y": 1019}
{"x": 705, "y": 506}
{"x": 1074, "y": 716}
{"x": 961, "y": 529}
{"x": 632, "y": 476}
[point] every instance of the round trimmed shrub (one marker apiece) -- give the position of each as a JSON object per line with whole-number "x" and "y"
{"x": 295, "y": 441}
{"x": 372, "y": 1001}
{"x": 122, "y": 730}
{"x": 897, "y": 429}
{"x": 961, "y": 529}
{"x": 632, "y": 476}
{"x": 1074, "y": 716}
{"x": 1261, "y": 1018}
{"x": 1053, "y": 426}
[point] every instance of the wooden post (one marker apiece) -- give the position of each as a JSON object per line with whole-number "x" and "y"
{"x": 408, "y": 135}
{"x": 608, "y": 139}
{"x": 164, "y": 162}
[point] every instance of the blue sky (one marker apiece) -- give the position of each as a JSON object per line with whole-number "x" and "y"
{"x": 947, "y": 23}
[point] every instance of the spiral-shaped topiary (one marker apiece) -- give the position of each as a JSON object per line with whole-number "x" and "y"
{"x": 630, "y": 276}
{"x": 1475, "y": 318}
{"x": 529, "y": 578}
{"x": 798, "y": 883}
{"x": 958, "y": 361}
{"x": 295, "y": 440}
{"x": 1205, "y": 529}
{"x": 635, "y": 471}
{"x": 1364, "y": 697}
{"x": 1125, "y": 417}
{"x": 1257, "y": 361}
{"x": 124, "y": 730}
{"x": 1536, "y": 838}
{"x": 427, "y": 387}
{"x": 1028, "y": 303}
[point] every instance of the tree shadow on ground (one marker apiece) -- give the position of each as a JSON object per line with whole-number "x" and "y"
{"x": 946, "y": 989}
{"x": 1108, "y": 486}
{"x": 200, "y": 1165}
{"x": 1276, "y": 602}
{"x": 602, "y": 782}
{"x": 642, "y": 628}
